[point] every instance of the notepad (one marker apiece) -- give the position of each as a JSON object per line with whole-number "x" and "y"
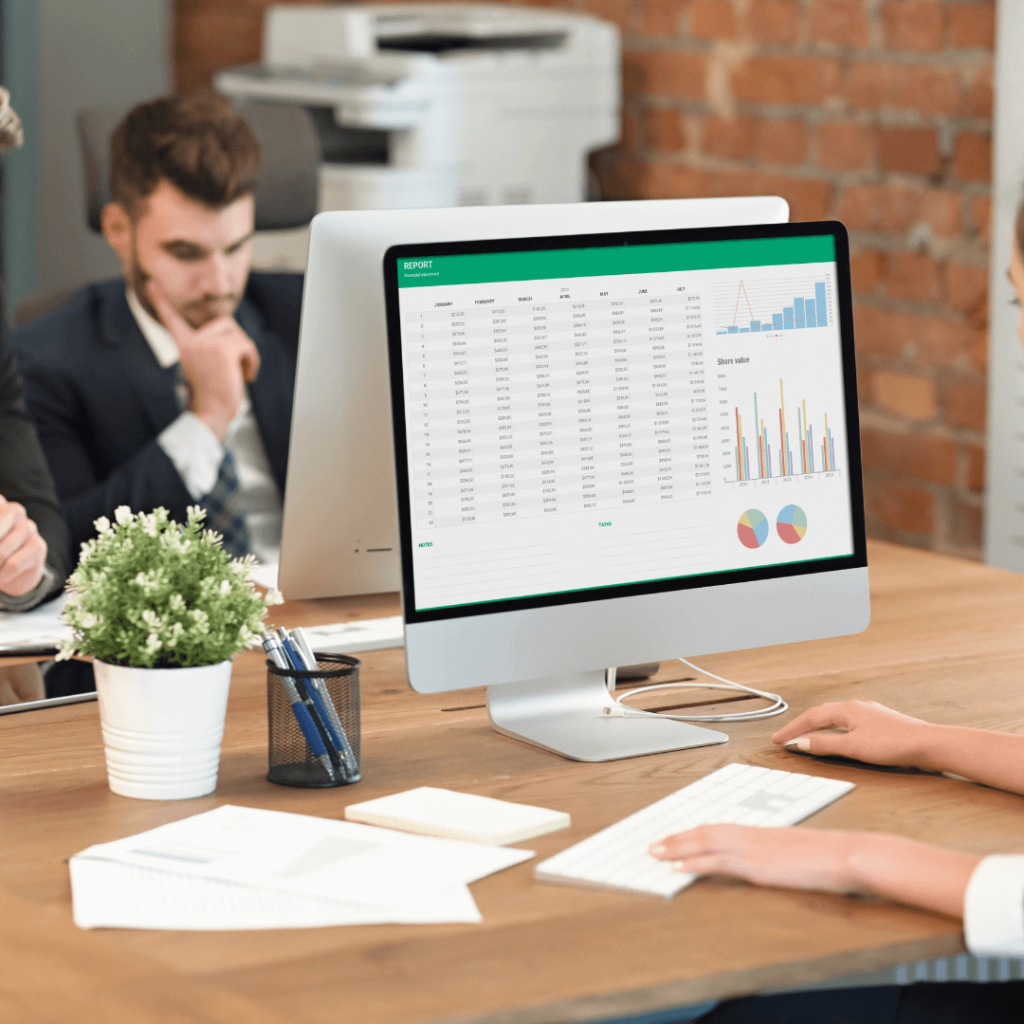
{"x": 451, "y": 815}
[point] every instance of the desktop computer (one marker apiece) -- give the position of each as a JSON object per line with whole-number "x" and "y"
{"x": 340, "y": 533}
{"x": 618, "y": 448}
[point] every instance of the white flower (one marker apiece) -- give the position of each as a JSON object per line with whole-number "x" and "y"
{"x": 149, "y": 526}
{"x": 102, "y": 526}
{"x": 274, "y": 596}
{"x": 225, "y": 587}
{"x": 123, "y": 514}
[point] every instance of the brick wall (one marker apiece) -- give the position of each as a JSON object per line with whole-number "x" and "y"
{"x": 877, "y": 112}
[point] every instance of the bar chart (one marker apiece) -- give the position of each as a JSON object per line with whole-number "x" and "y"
{"x": 752, "y": 307}
{"x": 765, "y": 449}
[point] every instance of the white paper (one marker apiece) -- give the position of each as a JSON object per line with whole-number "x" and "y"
{"x": 353, "y": 637}
{"x": 41, "y": 627}
{"x": 317, "y": 857}
{"x": 111, "y": 895}
{"x": 265, "y": 574}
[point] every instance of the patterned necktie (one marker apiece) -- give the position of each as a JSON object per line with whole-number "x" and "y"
{"x": 223, "y": 509}
{"x": 224, "y": 512}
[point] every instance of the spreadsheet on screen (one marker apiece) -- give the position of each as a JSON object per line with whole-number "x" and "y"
{"x": 584, "y": 418}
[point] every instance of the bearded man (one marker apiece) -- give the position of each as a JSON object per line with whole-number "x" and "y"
{"x": 173, "y": 386}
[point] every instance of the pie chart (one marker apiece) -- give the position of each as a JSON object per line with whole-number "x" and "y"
{"x": 753, "y": 528}
{"x": 792, "y": 524}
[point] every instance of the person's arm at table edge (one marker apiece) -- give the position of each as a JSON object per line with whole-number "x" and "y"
{"x": 988, "y": 892}
{"x": 25, "y": 479}
{"x": 879, "y": 735}
{"x": 913, "y": 873}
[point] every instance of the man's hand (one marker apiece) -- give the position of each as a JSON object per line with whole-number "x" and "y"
{"x": 22, "y": 550}
{"x": 217, "y": 359}
{"x": 874, "y": 733}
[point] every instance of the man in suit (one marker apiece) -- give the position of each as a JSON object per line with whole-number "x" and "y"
{"x": 174, "y": 385}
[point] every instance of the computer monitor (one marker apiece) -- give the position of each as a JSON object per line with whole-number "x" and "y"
{"x": 621, "y": 448}
{"x": 340, "y": 533}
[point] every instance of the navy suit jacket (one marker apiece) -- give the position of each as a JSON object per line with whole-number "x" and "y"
{"x": 99, "y": 398}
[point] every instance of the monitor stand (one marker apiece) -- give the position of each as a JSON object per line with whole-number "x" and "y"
{"x": 565, "y": 715}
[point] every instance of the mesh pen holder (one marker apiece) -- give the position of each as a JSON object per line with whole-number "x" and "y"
{"x": 292, "y": 763}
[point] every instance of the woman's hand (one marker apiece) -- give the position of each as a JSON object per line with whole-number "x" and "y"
{"x": 879, "y": 735}
{"x": 874, "y": 733}
{"x": 845, "y": 862}
{"x": 791, "y": 858}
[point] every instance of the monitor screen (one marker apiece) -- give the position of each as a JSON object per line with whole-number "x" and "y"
{"x": 599, "y": 416}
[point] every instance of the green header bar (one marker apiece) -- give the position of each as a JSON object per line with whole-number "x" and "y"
{"x": 548, "y": 264}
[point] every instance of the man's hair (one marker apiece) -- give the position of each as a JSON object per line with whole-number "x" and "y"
{"x": 199, "y": 143}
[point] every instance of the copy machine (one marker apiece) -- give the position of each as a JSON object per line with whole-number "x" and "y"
{"x": 427, "y": 105}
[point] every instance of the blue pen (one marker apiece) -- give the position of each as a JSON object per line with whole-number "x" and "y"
{"x": 273, "y": 648}
{"x": 297, "y": 662}
{"x": 305, "y": 652}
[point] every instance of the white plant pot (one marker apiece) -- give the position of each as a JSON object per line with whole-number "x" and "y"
{"x": 162, "y": 728}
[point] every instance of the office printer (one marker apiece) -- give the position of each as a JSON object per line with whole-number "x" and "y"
{"x": 428, "y": 105}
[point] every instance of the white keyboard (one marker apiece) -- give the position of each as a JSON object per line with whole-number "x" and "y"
{"x": 617, "y": 857}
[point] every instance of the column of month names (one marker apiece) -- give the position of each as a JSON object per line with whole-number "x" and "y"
{"x": 541, "y": 404}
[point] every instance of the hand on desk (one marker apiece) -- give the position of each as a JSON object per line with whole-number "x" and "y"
{"x": 845, "y": 862}
{"x": 874, "y": 733}
{"x": 878, "y": 735}
{"x": 22, "y": 550}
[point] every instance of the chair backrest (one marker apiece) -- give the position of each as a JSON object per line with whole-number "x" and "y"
{"x": 288, "y": 190}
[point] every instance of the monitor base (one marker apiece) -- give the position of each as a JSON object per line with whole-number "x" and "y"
{"x": 565, "y": 716}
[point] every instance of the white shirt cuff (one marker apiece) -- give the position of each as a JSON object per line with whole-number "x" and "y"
{"x": 195, "y": 451}
{"x": 994, "y": 907}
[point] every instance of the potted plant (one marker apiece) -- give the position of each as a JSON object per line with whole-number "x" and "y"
{"x": 162, "y": 609}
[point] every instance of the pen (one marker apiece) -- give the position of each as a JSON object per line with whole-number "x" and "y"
{"x": 316, "y": 699}
{"x": 301, "y": 645}
{"x": 316, "y": 744}
{"x": 311, "y": 700}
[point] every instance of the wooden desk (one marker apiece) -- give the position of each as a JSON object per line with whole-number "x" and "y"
{"x": 946, "y": 643}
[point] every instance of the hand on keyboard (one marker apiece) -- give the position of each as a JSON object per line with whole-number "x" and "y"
{"x": 793, "y": 858}
{"x": 619, "y": 857}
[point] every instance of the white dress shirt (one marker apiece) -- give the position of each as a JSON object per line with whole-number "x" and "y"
{"x": 994, "y": 907}
{"x": 196, "y": 452}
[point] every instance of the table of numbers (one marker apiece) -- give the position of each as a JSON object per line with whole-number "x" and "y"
{"x": 537, "y": 408}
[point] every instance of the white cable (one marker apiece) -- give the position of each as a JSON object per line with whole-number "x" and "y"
{"x": 777, "y": 707}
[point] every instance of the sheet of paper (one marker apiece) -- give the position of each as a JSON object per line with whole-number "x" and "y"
{"x": 265, "y": 574}
{"x": 111, "y": 895}
{"x": 319, "y": 857}
{"x": 353, "y": 637}
{"x": 40, "y": 627}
